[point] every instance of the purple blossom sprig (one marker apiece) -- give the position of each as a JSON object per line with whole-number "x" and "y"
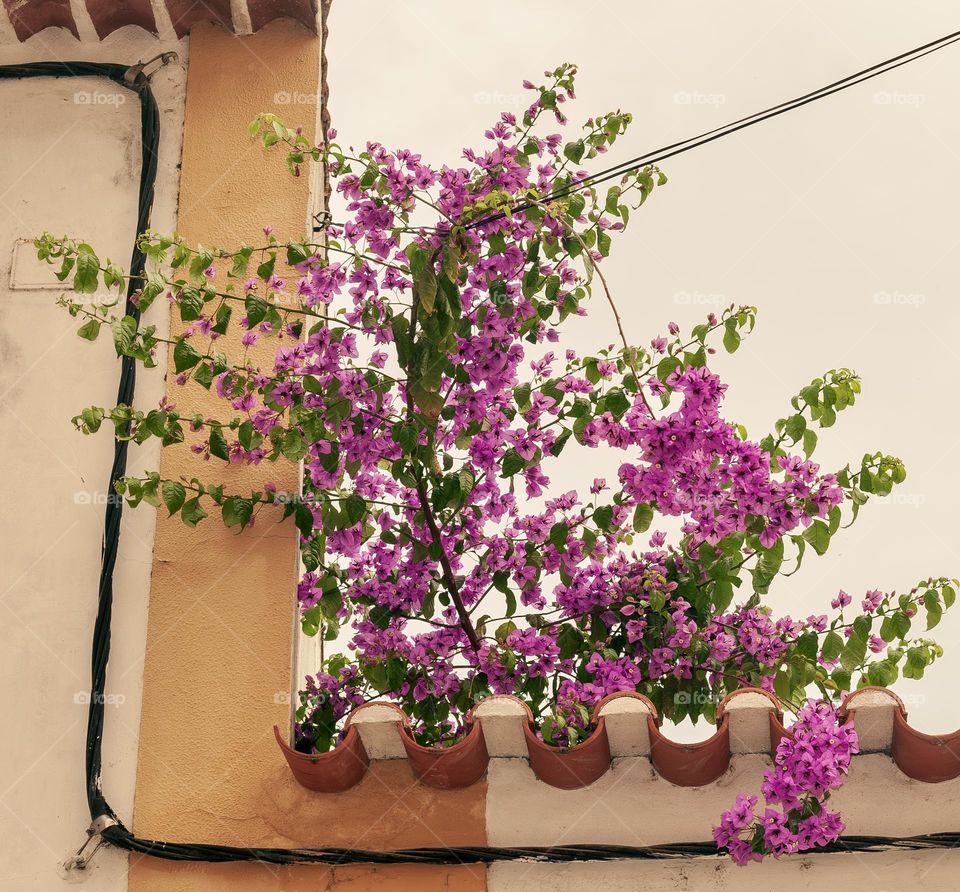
{"x": 808, "y": 765}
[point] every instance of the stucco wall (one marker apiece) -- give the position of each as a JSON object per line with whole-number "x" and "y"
{"x": 878, "y": 872}
{"x": 71, "y": 164}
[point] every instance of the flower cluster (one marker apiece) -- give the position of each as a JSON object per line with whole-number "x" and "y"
{"x": 809, "y": 763}
{"x": 412, "y": 364}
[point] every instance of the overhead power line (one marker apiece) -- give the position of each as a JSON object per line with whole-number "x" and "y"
{"x": 685, "y": 145}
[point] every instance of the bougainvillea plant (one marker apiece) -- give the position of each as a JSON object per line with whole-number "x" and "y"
{"x": 418, "y": 372}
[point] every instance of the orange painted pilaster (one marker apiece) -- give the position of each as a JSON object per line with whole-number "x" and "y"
{"x": 219, "y": 643}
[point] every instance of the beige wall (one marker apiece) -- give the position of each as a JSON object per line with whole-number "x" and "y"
{"x": 70, "y": 163}
{"x": 878, "y": 872}
{"x": 836, "y": 220}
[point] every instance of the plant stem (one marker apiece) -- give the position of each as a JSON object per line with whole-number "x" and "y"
{"x": 449, "y": 579}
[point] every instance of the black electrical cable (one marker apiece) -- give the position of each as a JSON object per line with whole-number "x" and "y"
{"x": 115, "y": 832}
{"x": 657, "y": 155}
{"x": 492, "y": 854}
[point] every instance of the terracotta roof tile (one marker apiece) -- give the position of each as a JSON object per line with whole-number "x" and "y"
{"x": 184, "y": 14}
{"x": 29, "y": 17}
{"x": 108, "y": 15}
{"x": 625, "y": 725}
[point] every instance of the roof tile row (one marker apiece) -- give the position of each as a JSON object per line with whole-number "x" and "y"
{"x": 625, "y": 725}
{"x": 29, "y": 17}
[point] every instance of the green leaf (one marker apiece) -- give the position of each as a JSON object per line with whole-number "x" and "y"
{"x": 218, "y": 445}
{"x": 355, "y": 509}
{"x": 934, "y": 610}
{"x": 174, "y": 495}
{"x": 241, "y": 260}
{"x": 65, "y": 267}
{"x": 795, "y": 427}
{"x": 90, "y": 330}
{"x": 768, "y": 565}
{"x": 256, "y": 309}
{"x": 192, "y": 512}
{"x": 428, "y": 605}
{"x": 510, "y": 600}
{"x": 429, "y": 402}
{"x": 882, "y": 674}
{"x": 731, "y": 337}
{"x": 406, "y": 436}
{"x": 818, "y": 535}
{"x": 855, "y": 650}
{"x": 237, "y": 511}
{"x": 832, "y": 645}
{"x": 807, "y": 645}
{"x": 424, "y": 280}
{"x": 559, "y": 533}
{"x": 513, "y": 463}
{"x": 294, "y": 446}
{"x": 303, "y": 517}
{"x": 297, "y": 252}
{"x": 616, "y": 403}
{"x": 666, "y": 367}
{"x": 604, "y": 242}
{"x": 222, "y": 319}
{"x": 92, "y": 418}
{"x": 521, "y": 395}
{"x": 87, "y": 270}
{"x": 895, "y": 626}
{"x": 722, "y": 594}
{"x": 918, "y": 658}
{"x": 603, "y": 516}
{"x": 643, "y": 517}
{"x": 811, "y": 395}
{"x": 265, "y": 270}
{"x": 201, "y": 262}
{"x": 311, "y": 619}
{"x": 204, "y": 375}
{"x": 124, "y": 334}
{"x": 575, "y": 205}
{"x": 782, "y": 686}
{"x": 573, "y": 151}
{"x": 570, "y": 641}
{"x": 190, "y": 302}
{"x": 185, "y": 355}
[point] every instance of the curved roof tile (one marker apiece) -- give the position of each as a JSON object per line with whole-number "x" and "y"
{"x": 625, "y": 726}
{"x": 29, "y": 17}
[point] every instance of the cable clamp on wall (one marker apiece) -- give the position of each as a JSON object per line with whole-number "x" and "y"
{"x": 322, "y": 220}
{"x": 83, "y": 856}
{"x": 134, "y": 71}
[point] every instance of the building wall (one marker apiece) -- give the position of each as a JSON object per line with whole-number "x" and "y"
{"x": 887, "y": 871}
{"x": 71, "y": 164}
{"x": 218, "y": 642}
